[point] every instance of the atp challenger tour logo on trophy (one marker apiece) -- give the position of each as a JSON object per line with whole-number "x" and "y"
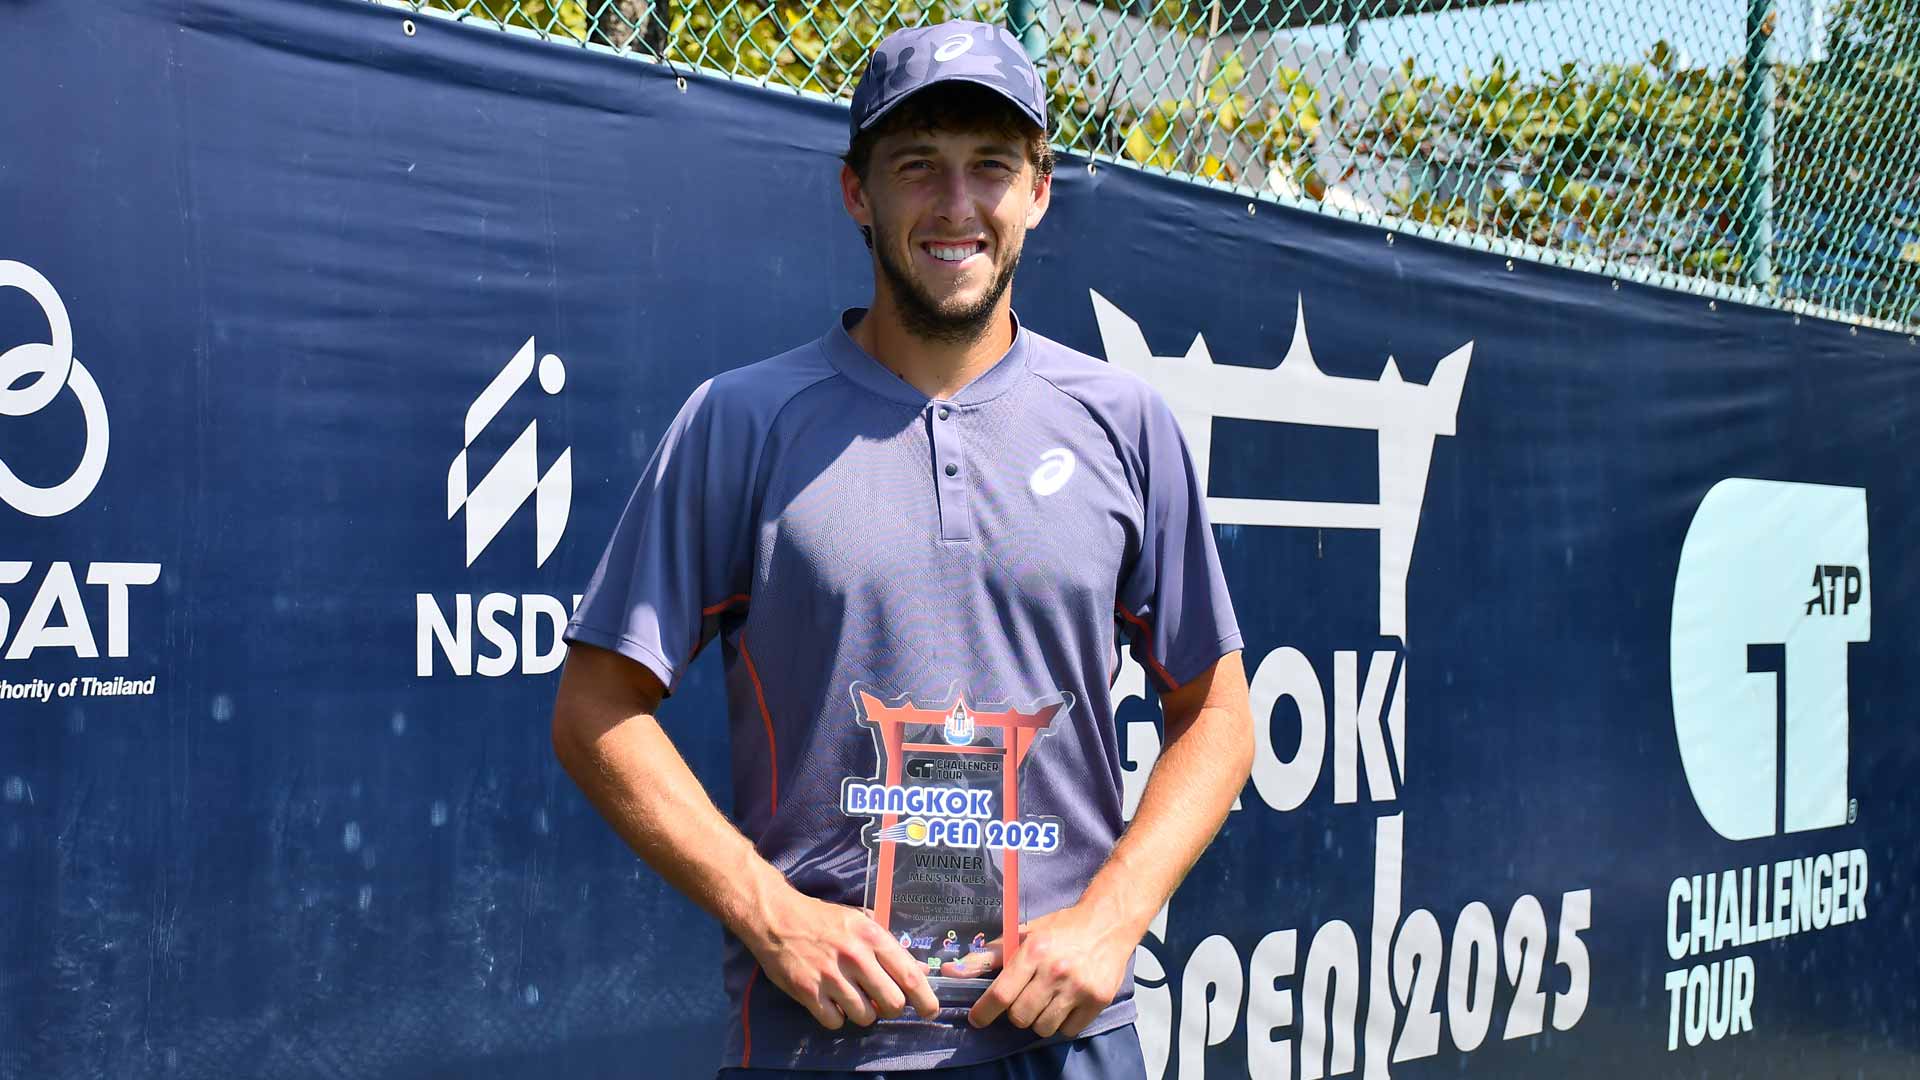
{"x": 945, "y": 831}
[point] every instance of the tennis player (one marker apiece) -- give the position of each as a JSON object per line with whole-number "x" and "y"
{"x": 935, "y": 505}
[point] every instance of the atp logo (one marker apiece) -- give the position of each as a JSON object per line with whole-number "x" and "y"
{"x": 515, "y": 478}
{"x": 49, "y": 367}
{"x": 1773, "y": 587}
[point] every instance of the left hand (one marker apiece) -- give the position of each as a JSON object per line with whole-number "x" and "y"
{"x": 1068, "y": 968}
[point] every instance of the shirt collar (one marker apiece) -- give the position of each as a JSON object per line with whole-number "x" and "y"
{"x": 857, "y": 364}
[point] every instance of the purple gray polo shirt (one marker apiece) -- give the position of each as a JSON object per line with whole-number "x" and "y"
{"x": 835, "y": 527}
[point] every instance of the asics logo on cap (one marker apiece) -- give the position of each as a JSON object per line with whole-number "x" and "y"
{"x": 955, "y": 46}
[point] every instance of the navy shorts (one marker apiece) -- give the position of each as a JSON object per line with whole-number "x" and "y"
{"x": 1110, "y": 1055}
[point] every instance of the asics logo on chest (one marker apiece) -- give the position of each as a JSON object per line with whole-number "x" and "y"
{"x": 1056, "y": 468}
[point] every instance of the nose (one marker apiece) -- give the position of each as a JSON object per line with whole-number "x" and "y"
{"x": 954, "y": 202}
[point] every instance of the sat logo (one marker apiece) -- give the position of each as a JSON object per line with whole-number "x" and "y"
{"x": 33, "y": 375}
{"x": 1773, "y": 587}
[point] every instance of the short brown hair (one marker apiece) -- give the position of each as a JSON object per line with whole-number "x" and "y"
{"x": 954, "y": 106}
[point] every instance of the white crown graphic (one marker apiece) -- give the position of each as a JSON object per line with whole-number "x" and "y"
{"x": 1407, "y": 416}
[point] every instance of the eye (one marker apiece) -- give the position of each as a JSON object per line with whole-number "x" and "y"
{"x": 996, "y": 163}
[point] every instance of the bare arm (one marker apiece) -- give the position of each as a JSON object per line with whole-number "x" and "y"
{"x": 1070, "y": 963}
{"x": 834, "y": 960}
{"x": 1206, "y": 762}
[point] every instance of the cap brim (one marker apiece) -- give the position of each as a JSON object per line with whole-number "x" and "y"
{"x": 1023, "y": 108}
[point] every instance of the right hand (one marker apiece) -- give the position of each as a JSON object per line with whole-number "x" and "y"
{"x": 839, "y": 963}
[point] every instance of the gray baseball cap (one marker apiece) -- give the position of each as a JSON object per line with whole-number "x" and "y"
{"x": 913, "y": 59}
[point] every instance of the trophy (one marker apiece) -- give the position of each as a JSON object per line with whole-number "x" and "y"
{"x": 945, "y": 834}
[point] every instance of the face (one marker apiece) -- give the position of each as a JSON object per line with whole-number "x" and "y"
{"x": 949, "y": 213}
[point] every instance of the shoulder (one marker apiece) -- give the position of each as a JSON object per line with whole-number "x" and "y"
{"x": 1124, "y": 403}
{"x": 746, "y": 400}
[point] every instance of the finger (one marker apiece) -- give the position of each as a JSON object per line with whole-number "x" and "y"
{"x": 979, "y": 964}
{"x": 848, "y": 997}
{"x": 872, "y": 980}
{"x": 826, "y": 1012}
{"x": 1053, "y": 1015}
{"x": 1006, "y": 986}
{"x": 907, "y": 974}
{"x": 1079, "y": 1018}
{"x": 1033, "y": 1000}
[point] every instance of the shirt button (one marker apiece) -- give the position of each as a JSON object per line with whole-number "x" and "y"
{"x": 943, "y": 412}
{"x": 953, "y": 470}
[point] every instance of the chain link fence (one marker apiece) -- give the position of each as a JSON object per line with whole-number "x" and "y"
{"x": 1758, "y": 150}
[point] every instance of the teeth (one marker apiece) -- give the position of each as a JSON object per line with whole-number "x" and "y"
{"x": 952, "y": 254}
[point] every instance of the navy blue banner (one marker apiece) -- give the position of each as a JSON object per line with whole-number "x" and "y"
{"x": 1577, "y": 615}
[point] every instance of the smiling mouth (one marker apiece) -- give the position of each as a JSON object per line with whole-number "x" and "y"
{"x": 955, "y": 254}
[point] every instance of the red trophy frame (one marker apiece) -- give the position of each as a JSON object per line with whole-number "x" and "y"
{"x": 1019, "y": 730}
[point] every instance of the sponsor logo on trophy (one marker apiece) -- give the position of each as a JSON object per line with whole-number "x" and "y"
{"x": 945, "y": 832}
{"x": 959, "y": 730}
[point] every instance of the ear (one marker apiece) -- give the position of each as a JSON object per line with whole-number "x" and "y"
{"x": 853, "y": 195}
{"x": 1042, "y": 198}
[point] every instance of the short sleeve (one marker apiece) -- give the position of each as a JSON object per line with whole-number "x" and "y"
{"x": 1173, "y": 601}
{"x": 681, "y": 555}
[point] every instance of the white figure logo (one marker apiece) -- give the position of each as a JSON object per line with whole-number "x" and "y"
{"x": 1767, "y": 563}
{"x": 954, "y": 47}
{"x": 1407, "y": 417}
{"x": 50, "y": 367}
{"x": 515, "y": 478}
{"x": 959, "y": 730}
{"x": 1056, "y": 468}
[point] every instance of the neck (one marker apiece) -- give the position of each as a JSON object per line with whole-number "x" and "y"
{"x": 938, "y": 369}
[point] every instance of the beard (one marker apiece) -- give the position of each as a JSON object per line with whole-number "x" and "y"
{"x": 950, "y": 323}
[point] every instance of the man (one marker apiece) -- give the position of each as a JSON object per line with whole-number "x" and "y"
{"x": 929, "y": 507}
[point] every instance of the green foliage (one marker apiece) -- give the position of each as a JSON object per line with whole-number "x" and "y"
{"x": 1636, "y": 163}
{"x": 563, "y": 18}
{"x": 815, "y": 45}
{"x": 1647, "y": 164}
{"x": 1643, "y": 164}
{"x": 818, "y": 45}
